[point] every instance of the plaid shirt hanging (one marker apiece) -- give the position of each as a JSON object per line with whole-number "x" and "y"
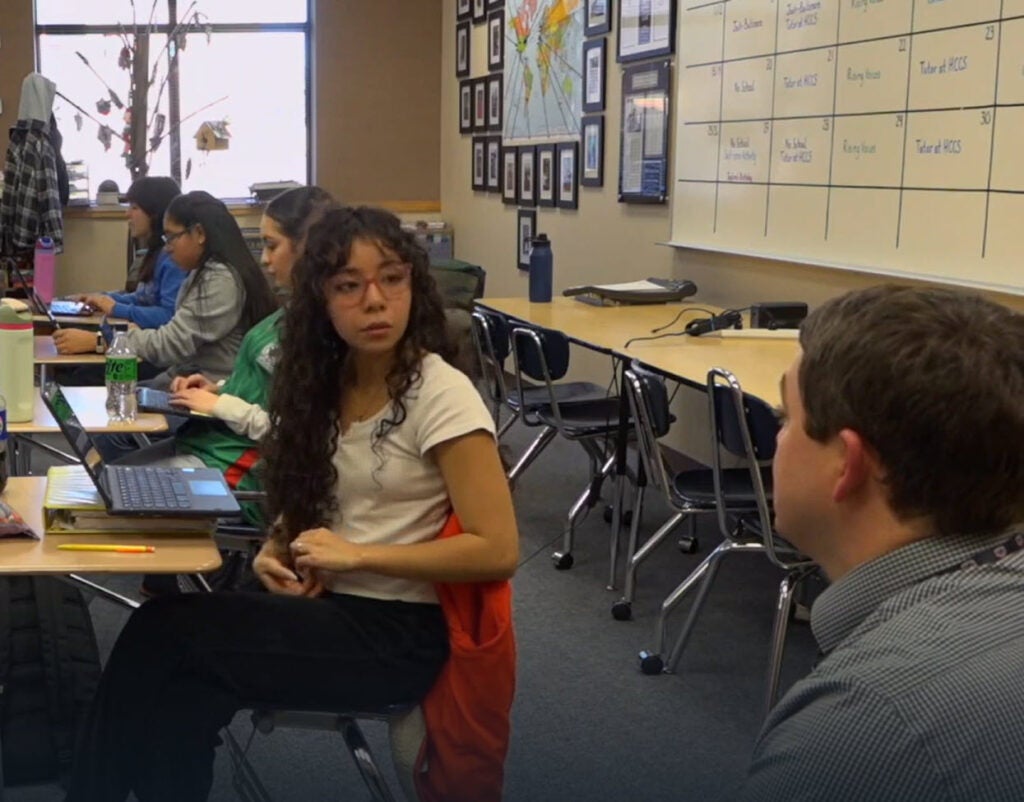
{"x": 30, "y": 207}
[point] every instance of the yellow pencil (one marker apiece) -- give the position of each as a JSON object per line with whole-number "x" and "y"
{"x": 106, "y": 547}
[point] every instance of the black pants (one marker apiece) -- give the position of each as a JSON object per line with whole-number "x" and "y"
{"x": 183, "y": 665}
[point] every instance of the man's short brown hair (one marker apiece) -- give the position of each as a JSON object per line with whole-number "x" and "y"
{"x": 933, "y": 380}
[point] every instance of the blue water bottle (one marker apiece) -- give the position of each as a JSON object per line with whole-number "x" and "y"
{"x": 540, "y": 270}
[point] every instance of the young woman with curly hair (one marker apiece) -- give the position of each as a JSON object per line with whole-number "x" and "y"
{"x": 374, "y": 440}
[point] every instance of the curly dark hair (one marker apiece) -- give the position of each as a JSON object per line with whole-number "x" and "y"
{"x": 305, "y": 399}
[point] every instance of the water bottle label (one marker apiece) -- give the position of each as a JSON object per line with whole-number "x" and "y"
{"x": 3, "y": 425}
{"x": 121, "y": 370}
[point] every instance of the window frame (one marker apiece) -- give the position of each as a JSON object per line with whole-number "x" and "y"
{"x": 173, "y": 83}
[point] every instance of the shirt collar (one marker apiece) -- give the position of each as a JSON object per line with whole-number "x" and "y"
{"x": 845, "y": 605}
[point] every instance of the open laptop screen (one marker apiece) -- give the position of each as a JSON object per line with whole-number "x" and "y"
{"x": 78, "y": 438}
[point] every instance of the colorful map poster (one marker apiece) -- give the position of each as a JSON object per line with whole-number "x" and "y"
{"x": 543, "y": 75}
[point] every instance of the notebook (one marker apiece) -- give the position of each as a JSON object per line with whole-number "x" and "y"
{"x": 142, "y": 490}
{"x": 151, "y": 400}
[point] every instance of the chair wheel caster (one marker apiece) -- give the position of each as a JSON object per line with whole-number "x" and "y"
{"x": 651, "y": 664}
{"x": 689, "y": 545}
{"x": 563, "y": 562}
{"x": 609, "y": 515}
{"x": 622, "y": 610}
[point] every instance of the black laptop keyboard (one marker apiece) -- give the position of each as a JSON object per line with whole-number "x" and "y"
{"x": 152, "y": 489}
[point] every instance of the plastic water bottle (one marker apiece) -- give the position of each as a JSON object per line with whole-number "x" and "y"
{"x": 3, "y": 443}
{"x": 16, "y": 364}
{"x": 44, "y": 268}
{"x": 122, "y": 373}
{"x": 540, "y": 270}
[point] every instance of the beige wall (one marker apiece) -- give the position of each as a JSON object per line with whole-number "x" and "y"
{"x": 17, "y": 57}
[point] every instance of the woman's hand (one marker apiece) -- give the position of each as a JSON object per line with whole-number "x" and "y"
{"x": 100, "y": 302}
{"x": 322, "y": 548}
{"x": 277, "y": 577}
{"x": 196, "y": 400}
{"x": 74, "y": 341}
{"x": 196, "y": 380}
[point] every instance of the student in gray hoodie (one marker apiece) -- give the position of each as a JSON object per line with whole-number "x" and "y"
{"x": 224, "y": 293}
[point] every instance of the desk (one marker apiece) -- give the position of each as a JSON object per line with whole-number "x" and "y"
{"x": 82, "y": 321}
{"x": 175, "y": 554}
{"x": 757, "y": 363}
{"x": 45, "y": 353}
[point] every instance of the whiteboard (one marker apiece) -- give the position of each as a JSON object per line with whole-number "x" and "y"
{"x": 875, "y": 135}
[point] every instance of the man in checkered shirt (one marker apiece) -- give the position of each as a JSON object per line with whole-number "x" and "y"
{"x": 900, "y": 471}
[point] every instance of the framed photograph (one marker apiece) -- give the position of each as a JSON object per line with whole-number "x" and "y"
{"x": 527, "y": 189}
{"x": 546, "y": 192}
{"x": 567, "y": 158}
{"x": 493, "y": 4}
{"x": 494, "y": 99}
{"x": 592, "y": 137}
{"x": 526, "y": 230}
{"x": 593, "y": 75}
{"x": 496, "y": 41}
{"x": 462, "y": 37}
{"x": 598, "y": 17}
{"x": 479, "y": 10}
{"x": 644, "y": 133}
{"x": 463, "y": 9}
{"x": 465, "y": 107}
{"x": 510, "y": 177}
{"x": 479, "y": 104}
{"x": 479, "y": 166}
{"x": 646, "y": 29}
{"x": 494, "y": 166}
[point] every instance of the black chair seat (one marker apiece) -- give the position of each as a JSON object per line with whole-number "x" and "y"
{"x": 583, "y": 418}
{"x": 698, "y": 487}
{"x": 564, "y": 393}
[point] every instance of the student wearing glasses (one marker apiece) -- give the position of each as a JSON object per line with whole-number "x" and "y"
{"x": 375, "y": 439}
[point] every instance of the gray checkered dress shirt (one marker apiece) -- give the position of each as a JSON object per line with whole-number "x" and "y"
{"x": 921, "y": 693}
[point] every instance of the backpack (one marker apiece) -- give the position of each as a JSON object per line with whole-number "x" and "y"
{"x": 49, "y": 671}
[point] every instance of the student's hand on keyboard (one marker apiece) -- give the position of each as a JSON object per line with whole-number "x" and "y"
{"x": 196, "y": 380}
{"x": 101, "y": 303}
{"x": 277, "y": 577}
{"x": 195, "y": 399}
{"x": 74, "y": 341}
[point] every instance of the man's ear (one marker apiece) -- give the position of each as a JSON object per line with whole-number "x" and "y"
{"x": 858, "y": 463}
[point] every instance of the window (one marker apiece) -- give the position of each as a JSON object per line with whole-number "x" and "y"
{"x": 245, "y": 65}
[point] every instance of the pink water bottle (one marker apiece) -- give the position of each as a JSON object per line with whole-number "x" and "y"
{"x": 42, "y": 278}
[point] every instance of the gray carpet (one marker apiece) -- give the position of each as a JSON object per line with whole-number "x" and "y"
{"x": 587, "y": 725}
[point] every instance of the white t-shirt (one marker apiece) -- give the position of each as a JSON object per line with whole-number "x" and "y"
{"x": 392, "y": 492}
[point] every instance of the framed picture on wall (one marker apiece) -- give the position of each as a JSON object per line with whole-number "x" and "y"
{"x": 546, "y": 192}
{"x": 527, "y": 175}
{"x": 526, "y": 230}
{"x": 598, "y": 18}
{"x": 465, "y": 107}
{"x": 644, "y": 132}
{"x": 593, "y": 75}
{"x": 494, "y": 98}
{"x": 592, "y": 138}
{"x": 479, "y": 166}
{"x": 568, "y": 178}
{"x": 479, "y": 104}
{"x": 463, "y": 9}
{"x": 496, "y": 40}
{"x": 646, "y": 29}
{"x": 492, "y": 4}
{"x": 479, "y": 10}
{"x": 510, "y": 177}
{"x": 494, "y": 166}
{"x": 462, "y": 37}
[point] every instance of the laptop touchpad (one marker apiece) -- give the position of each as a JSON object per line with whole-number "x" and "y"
{"x": 206, "y": 487}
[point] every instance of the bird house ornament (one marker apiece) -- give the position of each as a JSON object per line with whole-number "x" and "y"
{"x": 213, "y": 135}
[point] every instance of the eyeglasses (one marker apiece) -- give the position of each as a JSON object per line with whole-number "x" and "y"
{"x": 170, "y": 238}
{"x": 392, "y": 281}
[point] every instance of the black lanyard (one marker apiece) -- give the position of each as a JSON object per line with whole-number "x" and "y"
{"x": 990, "y": 556}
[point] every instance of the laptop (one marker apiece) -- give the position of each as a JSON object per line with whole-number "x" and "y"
{"x": 56, "y": 307}
{"x": 142, "y": 490}
{"x": 158, "y": 401}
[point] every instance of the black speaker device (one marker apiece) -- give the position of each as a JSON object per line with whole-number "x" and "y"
{"x": 777, "y": 315}
{"x": 730, "y": 319}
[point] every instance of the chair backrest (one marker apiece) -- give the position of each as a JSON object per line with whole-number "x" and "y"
{"x": 648, "y": 400}
{"x": 745, "y": 426}
{"x": 459, "y": 283}
{"x": 491, "y": 340}
{"x": 541, "y": 355}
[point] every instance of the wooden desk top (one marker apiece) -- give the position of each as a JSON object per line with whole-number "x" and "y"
{"x": 757, "y": 363}
{"x": 175, "y": 554}
{"x": 90, "y": 406}
{"x": 85, "y": 321}
{"x": 46, "y": 354}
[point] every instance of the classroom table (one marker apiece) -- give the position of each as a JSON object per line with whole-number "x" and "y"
{"x": 173, "y": 554}
{"x": 80, "y": 321}
{"x": 45, "y": 354}
{"x": 90, "y": 407}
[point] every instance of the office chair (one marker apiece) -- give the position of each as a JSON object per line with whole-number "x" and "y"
{"x": 743, "y": 426}
{"x": 491, "y": 339}
{"x": 542, "y": 355}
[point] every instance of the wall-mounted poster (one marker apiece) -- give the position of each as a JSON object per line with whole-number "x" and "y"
{"x": 643, "y": 148}
{"x": 646, "y": 28}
